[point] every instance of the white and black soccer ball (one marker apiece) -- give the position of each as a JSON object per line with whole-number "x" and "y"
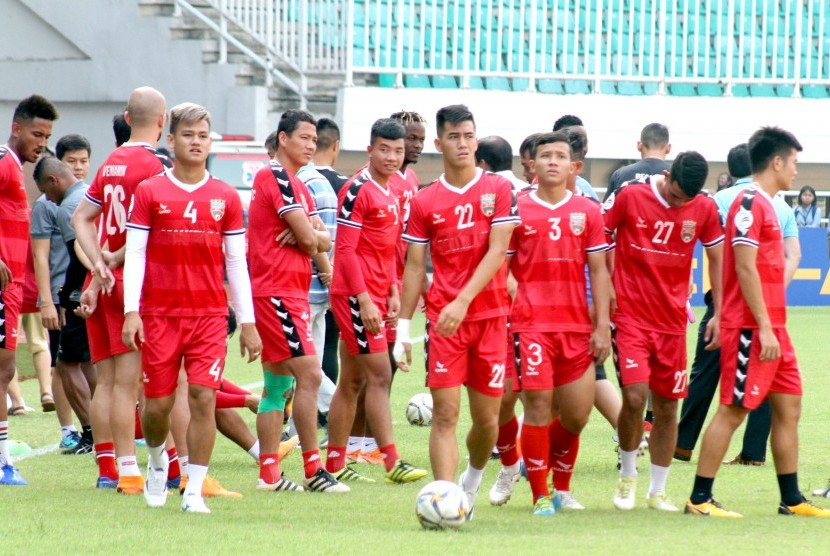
{"x": 419, "y": 410}
{"x": 442, "y": 505}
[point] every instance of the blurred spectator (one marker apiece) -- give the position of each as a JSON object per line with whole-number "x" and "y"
{"x": 807, "y": 212}
{"x": 724, "y": 180}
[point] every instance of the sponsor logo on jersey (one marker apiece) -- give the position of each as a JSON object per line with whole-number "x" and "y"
{"x": 217, "y": 209}
{"x": 488, "y": 204}
{"x": 381, "y": 213}
{"x": 437, "y": 218}
{"x": 630, "y": 363}
{"x": 687, "y": 232}
{"x": 641, "y": 222}
{"x": 755, "y": 390}
{"x": 440, "y": 367}
{"x": 163, "y": 209}
{"x": 743, "y": 220}
{"x": 577, "y": 222}
{"x": 529, "y": 230}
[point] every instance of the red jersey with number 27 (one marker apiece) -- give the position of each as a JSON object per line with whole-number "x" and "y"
{"x": 405, "y": 185}
{"x": 455, "y": 222}
{"x": 654, "y": 251}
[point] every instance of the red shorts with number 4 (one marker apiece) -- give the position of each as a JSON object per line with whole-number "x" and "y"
{"x": 104, "y": 326}
{"x": 474, "y": 356}
{"x": 358, "y": 340}
{"x": 644, "y": 356}
{"x": 284, "y": 324}
{"x": 199, "y": 342}
{"x": 11, "y": 300}
{"x": 550, "y": 359}
{"x": 745, "y": 380}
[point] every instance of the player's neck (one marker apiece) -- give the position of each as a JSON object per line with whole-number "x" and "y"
{"x": 288, "y": 164}
{"x": 323, "y": 160}
{"x": 377, "y": 177}
{"x": 404, "y": 166}
{"x": 12, "y": 144}
{"x": 552, "y": 194}
{"x": 767, "y": 183}
{"x": 149, "y": 136}
{"x": 459, "y": 176}
{"x": 189, "y": 174}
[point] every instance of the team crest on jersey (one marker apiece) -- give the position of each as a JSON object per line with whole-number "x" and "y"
{"x": 217, "y": 209}
{"x": 687, "y": 232}
{"x": 743, "y": 220}
{"x": 577, "y": 222}
{"x": 488, "y": 204}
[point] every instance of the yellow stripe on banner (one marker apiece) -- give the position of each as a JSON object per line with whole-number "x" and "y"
{"x": 825, "y": 288}
{"x": 807, "y": 274}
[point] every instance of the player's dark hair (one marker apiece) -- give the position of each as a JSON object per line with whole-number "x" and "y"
{"x": 49, "y": 166}
{"x": 290, "y": 121}
{"x": 272, "y": 143}
{"x": 328, "y": 133}
{"x": 578, "y": 140}
{"x": 496, "y": 152}
{"x": 453, "y": 114}
{"x": 654, "y": 136}
{"x": 527, "y": 145}
{"x": 33, "y": 107}
{"x": 547, "y": 139}
{"x": 386, "y": 128}
{"x": 72, "y": 142}
{"x": 811, "y": 190}
{"x": 689, "y": 170}
{"x": 769, "y": 142}
{"x": 408, "y": 118}
{"x": 567, "y": 120}
{"x": 121, "y": 129}
{"x": 737, "y": 161}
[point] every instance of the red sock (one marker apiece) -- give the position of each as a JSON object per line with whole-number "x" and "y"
{"x": 535, "y": 454}
{"x": 564, "y": 447}
{"x": 173, "y": 469}
{"x": 335, "y": 458}
{"x": 311, "y": 462}
{"x": 506, "y": 443}
{"x": 269, "y": 468}
{"x": 390, "y": 456}
{"x": 231, "y": 388}
{"x": 139, "y": 434}
{"x": 105, "y": 455}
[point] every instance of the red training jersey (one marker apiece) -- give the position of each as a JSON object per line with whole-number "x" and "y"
{"x": 114, "y": 186}
{"x": 368, "y": 231}
{"x": 752, "y": 221}
{"x": 455, "y": 222}
{"x": 14, "y": 215}
{"x": 654, "y": 248}
{"x": 283, "y": 271}
{"x": 185, "y": 248}
{"x": 405, "y": 185}
{"x": 550, "y": 249}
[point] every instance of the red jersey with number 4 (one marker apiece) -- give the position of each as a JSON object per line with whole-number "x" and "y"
{"x": 455, "y": 222}
{"x": 368, "y": 230}
{"x": 405, "y": 185}
{"x": 550, "y": 249}
{"x": 752, "y": 221}
{"x": 114, "y": 186}
{"x": 14, "y": 215}
{"x": 282, "y": 271}
{"x": 654, "y": 248}
{"x": 187, "y": 224}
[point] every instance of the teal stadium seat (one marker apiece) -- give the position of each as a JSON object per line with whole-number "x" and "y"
{"x": 419, "y": 81}
{"x": 550, "y": 86}
{"x": 814, "y": 91}
{"x": 444, "y": 82}
{"x": 682, "y": 90}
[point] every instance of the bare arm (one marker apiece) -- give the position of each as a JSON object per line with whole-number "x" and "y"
{"x": 750, "y": 281}
{"x": 712, "y": 333}
{"x": 48, "y": 312}
{"x": 303, "y": 231}
{"x": 414, "y": 276}
{"x": 601, "y": 296}
{"x": 324, "y": 241}
{"x": 83, "y": 221}
{"x": 792, "y": 255}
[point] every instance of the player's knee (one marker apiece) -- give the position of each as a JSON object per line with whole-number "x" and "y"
{"x": 635, "y": 398}
{"x": 310, "y": 379}
{"x": 445, "y": 416}
{"x": 574, "y": 423}
{"x": 277, "y": 391}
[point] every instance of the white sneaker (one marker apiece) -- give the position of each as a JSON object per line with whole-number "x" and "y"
{"x": 506, "y": 481}
{"x": 323, "y": 481}
{"x": 155, "y": 487}
{"x": 471, "y": 494}
{"x": 660, "y": 502}
{"x": 567, "y": 501}
{"x": 625, "y": 497}
{"x": 195, "y": 504}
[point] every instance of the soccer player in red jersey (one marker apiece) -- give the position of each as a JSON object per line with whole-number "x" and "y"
{"x": 185, "y": 230}
{"x": 288, "y": 234}
{"x": 557, "y": 341}
{"x": 31, "y": 129}
{"x": 107, "y": 203}
{"x": 466, "y": 217}
{"x": 757, "y": 356}
{"x": 364, "y": 292}
{"x": 657, "y": 224}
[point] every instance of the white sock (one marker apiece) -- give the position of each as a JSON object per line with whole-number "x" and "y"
{"x": 158, "y": 456}
{"x": 659, "y": 475}
{"x": 472, "y": 477}
{"x": 355, "y": 444}
{"x": 195, "y": 477}
{"x": 68, "y": 430}
{"x": 369, "y": 444}
{"x": 254, "y": 451}
{"x": 183, "y": 465}
{"x": 4, "y": 443}
{"x": 513, "y": 469}
{"x": 628, "y": 463}
{"x": 128, "y": 466}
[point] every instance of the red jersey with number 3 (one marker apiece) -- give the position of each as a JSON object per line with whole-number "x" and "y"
{"x": 277, "y": 270}
{"x": 185, "y": 257}
{"x": 654, "y": 251}
{"x": 405, "y": 185}
{"x": 14, "y": 216}
{"x": 752, "y": 222}
{"x": 114, "y": 186}
{"x": 550, "y": 249}
{"x": 455, "y": 222}
{"x": 368, "y": 230}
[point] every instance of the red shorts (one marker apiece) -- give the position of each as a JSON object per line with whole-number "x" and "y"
{"x": 11, "y": 300}
{"x": 474, "y": 356}
{"x": 745, "y": 380}
{"x": 346, "y": 310}
{"x": 549, "y": 359}
{"x": 645, "y": 356}
{"x": 391, "y": 333}
{"x": 104, "y": 326}
{"x": 284, "y": 324}
{"x": 198, "y": 341}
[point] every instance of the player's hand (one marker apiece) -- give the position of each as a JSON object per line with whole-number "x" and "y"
{"x": 600, "y": 344}
{"x": 318, "y": 225}
{"x": 252, "y": 402}
{"x": 325, "y": 278}
{"x": 5, "y": 276}
{"x": 393, "y": 307}
{"x": 287, "y": 237}
{"x": 770, "y": 348}
{"x": 89, "y": 301}
{"x": 49, "y": 317}
{"x": 451, "y": 316}
{"x": 712, "y": 334}
{"x": 104, "y": 275}
{"x": 370, "y": 315}
{"x": 133, "y": 332}
{"x": 402, "y": 352}
{"x": 112, "y": 260}
{"x": 612, "y": 302}
{"x": 249, "y": 341}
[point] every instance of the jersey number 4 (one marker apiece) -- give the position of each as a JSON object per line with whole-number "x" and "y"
{"x": 190, "y": 212}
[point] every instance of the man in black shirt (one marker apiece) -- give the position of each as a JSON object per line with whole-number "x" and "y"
{"x": 654, "y": 147}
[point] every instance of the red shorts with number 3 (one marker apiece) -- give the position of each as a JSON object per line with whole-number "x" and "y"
{"x": 549, "y": 359}
{"x": 198, "y": 342}
{"x": 474, "y": 356}
{"x": 644, "y": 356}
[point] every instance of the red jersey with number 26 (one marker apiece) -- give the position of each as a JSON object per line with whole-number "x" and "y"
{"x": 455, "y": 222}
{"x": 654, "y": 248}
{"x": 187, "y": 224}
{"x": 550, "y": 250}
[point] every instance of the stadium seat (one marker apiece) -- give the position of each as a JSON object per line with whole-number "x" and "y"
{"x": 519, "y": 84}
{"x": 814, "y": 91}
{"x": 651, "y": 88}
{"x": 740, "y": 90}
{"x": 682, "y": 90}
{"x": 761, "y": 90}
{"x": 629, "y": 88}
{"x": 577, "y": 87}
{"x": 386, "y": 79}
{"x": 709, "y": 90}
{"x": 475, "y": 82}
{"x": 784, "y": 90}
{"x": 444, "y": 82}
{"x": 421, "y": 81}
{"x": 550, "y": 86}
{"x": 607, "y": 88}
{"x": 497, "y": 83}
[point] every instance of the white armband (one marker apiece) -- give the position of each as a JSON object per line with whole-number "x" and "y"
{"x": 238, "y": 278}
{"x": 403, "y": 331}
{"x": 135, "y": 264}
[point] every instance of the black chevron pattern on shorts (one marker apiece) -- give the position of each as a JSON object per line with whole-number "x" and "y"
{"x": 744, "y": 346}
{"x": 517, "y": 358}
{"x": 4, "y": 325}
{"x": 288, "y": 328}
{"x": 358, "y": 326}
{"x": 426, "y": 354}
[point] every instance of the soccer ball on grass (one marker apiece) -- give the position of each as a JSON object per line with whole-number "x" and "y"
{"x": 442, "y": 505}
{"x": 419, "y": 410}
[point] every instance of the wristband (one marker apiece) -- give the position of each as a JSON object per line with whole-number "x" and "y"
{"x": 403, "y": 331}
